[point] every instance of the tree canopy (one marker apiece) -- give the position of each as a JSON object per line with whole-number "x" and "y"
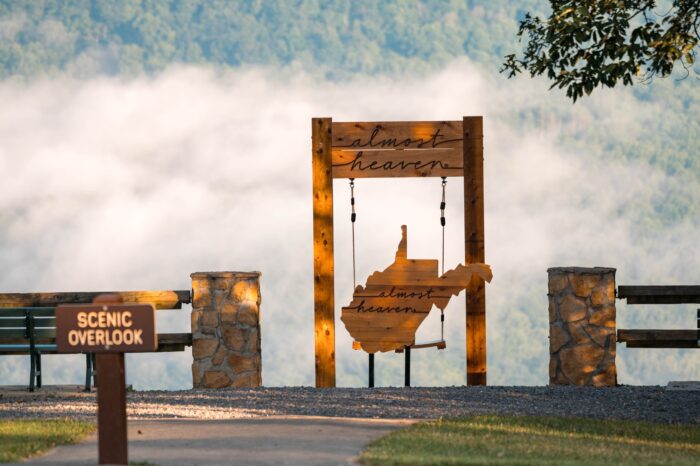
{"x": 594, "y": 43}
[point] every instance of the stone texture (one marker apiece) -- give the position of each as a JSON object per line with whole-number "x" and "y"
{"x": 219, "y": 356}
{"x": 582, "y": 326}
{"x": 604, "y": 317}
{"x": 241, "y": 381}
{"x": 552, "y": 311}
{"x": 578, "y": 332}
{"x": 254, "y": 341}
{"x": 216, "y": 379}
{"x": 203, "y": 348}
{"x": 606, "y": 378}
{"x": 197, "y": 373}
{"x": 244, "y": 291}
{"x": 558, "y": 282}
{"x": 580, "y": 361}
{"x": 600, "y": 335}
{"x": 229, "y": 313}
{"x": 201, "y": 298}
{"x": 234, "y": 338}
{"x": 248, "y": 314}
{"x": 572, "y": 308}
{"x": 582, "y": 284}
{"x": 242, "y": 363}
{"x": 558, "y": 337}
{"x": 195, "y": 319}
{"x": 210, "y": 318}
{"x": 226, "y": 330}
{"x": 552, "y": 368}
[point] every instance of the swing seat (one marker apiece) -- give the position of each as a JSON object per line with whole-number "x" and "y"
{"x": 439, "y": 344}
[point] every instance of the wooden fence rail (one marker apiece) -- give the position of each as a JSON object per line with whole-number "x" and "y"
{"x": 677, "y": 294}
{"x": 161, "y": 299}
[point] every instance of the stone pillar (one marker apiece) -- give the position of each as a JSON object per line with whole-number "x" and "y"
{"x": 226, "y": 329}
{"x": 582, "y": 335}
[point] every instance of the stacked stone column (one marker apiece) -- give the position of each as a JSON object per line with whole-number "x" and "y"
{"x": 226, "y": 329}
{"x": 582, "y": 335}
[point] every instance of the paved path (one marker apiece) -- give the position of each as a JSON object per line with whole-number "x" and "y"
{"x": 290, "y": 440}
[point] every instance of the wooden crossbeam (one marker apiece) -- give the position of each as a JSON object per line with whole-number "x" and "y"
{"x": 676, "y": 294}
{"x": 161, "y": 299}
{"x": 654, "y": 338}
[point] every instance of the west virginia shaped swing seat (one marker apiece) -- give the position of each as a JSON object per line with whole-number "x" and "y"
{"x": 385, "y": 314}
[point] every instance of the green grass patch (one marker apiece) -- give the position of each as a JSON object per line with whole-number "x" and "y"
{"x": 21, "y": 439}
{"x": 505, "y": 440}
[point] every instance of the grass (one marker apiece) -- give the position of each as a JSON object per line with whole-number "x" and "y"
{"x": 503, "y": 440}
{"x": 21, "y": 439}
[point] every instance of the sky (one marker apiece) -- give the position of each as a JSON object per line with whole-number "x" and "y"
{"x": 135, "y": 183}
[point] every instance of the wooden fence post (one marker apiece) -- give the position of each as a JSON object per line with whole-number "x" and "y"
{"x": 474, "y": 247}
{"x": 324, "y": 312}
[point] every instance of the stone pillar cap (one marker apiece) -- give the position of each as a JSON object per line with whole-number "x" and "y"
{"x": 225, "y": 274}
{"x": 582, "y": 270}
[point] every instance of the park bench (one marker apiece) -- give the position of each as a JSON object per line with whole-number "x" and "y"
{"x": 654, "y": 338}
{"x": 28, "y": 324}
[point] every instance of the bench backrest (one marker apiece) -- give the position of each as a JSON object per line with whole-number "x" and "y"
{"x": 22, "y": 327}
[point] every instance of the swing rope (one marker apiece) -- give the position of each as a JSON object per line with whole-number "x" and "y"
{"x": 442, "y": 223}
{"x": 353, "y": 217}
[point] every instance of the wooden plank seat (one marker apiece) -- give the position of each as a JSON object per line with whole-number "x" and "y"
{"x": 32, "y": 331}
{"x": 439, "y": 344}
{"x": 655, "y": 338}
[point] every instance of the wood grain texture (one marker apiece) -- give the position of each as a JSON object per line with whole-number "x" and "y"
{"x": 674, "y": 294}
{"x": 111, "y": 409}
{"x": 161, "y": 299}
{"x": 397, "y": 149}
{"x": 385, "y": 314}
{"x": 439, "y": 344}
{"x": 324, "y": 313}
{"x": 654, "y": 338}
{"x": 474, "y": 248}
{"x": 167, "y": 342}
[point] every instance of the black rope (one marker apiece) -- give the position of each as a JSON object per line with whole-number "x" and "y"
{"x": 353, "y": 217}
{"x": 442, "y": 221}
{"x": 442, "y": 224}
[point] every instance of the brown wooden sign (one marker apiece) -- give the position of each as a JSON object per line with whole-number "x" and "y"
{"x": 397, "y": 149}
{"x": 100, "y": 328}
{"x": 385, "y": 314}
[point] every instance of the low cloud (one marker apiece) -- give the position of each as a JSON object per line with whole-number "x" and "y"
{"x": 111, "y": 184}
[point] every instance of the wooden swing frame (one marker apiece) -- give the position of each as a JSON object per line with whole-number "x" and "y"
{"x": 410, "y": 149}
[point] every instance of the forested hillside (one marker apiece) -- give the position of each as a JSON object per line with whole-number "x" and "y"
{"x": 339, "y": 36}
{"x": 335, "y": 39}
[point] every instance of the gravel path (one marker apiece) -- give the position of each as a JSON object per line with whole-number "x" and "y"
{"x": 626, "y": 402}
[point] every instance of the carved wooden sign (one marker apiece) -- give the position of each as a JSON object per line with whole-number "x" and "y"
{"x": 397, "y": 149}
{"x": 385, "y": 314}
{"x": 96, "y": 328}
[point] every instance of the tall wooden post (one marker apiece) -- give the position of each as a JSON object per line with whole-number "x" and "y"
{"x": 474, "y": 247}
{"x": 111, "y": 401}
{"x": 324, "y": 312}
{"x": 111, "y": 415}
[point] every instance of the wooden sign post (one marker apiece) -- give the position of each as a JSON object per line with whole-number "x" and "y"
{"x": 390, "y": 150}
{"x": 109, "y": 329}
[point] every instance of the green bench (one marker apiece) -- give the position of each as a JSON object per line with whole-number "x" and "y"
{"x": 656, "y": 338}
{"x": 28, "y": 325}
{"x": 32, "y": 330}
